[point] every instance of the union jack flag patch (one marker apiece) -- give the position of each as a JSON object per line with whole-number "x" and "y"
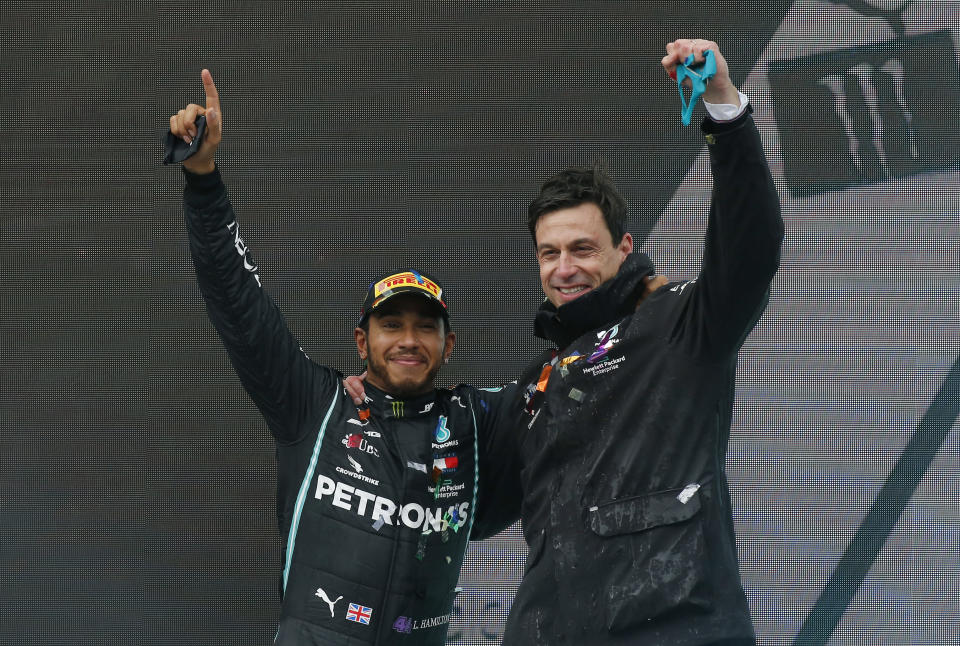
{"x": 359, "y": 614}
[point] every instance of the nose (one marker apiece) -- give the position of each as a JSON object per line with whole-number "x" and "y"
{"x": 565, "y": 268}
{"x": 408, "y": 337}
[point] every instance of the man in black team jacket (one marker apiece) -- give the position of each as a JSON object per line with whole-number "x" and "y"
{"x": 626, "y": 509}
{"x": 375, "y": 502}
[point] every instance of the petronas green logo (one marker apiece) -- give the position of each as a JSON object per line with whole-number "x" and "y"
{"x": 441, "y": 434}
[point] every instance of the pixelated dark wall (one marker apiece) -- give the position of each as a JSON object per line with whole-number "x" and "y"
{"x": 136, "y": 478}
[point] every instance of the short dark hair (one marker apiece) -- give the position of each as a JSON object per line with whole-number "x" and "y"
{"x": 580, "y": 185}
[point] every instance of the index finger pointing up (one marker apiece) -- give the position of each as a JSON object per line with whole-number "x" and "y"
{"x": 213, "y": 99}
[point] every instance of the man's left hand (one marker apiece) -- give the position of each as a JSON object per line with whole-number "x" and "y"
{"x": 720, "y": 88}
{"x": 653, "y": 283}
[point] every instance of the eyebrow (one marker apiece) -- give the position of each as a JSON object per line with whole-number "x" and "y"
{"x": 573, "y": 243}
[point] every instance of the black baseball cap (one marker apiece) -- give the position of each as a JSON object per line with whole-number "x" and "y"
{"x": 403, "y": 281}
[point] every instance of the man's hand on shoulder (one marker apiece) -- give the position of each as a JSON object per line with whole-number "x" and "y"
{"x": 652, "y": 284}
{"x": 353, "y": 385}
{"x": 720, "y": 89}
{"x": 182, "y": 124}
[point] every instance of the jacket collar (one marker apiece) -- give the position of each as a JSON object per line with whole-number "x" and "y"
{"x": 613, "y": 300}
{"x": 382, "y": 404}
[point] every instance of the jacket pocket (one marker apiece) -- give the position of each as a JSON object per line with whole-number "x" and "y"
{"x": 653, "y": 556}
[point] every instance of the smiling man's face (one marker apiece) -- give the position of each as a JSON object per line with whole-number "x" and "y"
{"x": 405, "y": 344}
{"x": 576, "y": 252}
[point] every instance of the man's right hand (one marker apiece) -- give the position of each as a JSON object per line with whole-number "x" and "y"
{"x": 182, "y": 125}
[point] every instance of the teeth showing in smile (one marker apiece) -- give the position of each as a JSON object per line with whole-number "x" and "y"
{"x": 571, "y": 290}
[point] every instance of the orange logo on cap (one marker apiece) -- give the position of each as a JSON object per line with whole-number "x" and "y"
{"x": 407, "y": 279}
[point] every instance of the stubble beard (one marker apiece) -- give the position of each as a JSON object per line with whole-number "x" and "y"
{"x": 403, "y": 389}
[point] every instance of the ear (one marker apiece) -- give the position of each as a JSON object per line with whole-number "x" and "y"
{"x": 625, "y": 247}
{"x": 448, "y": 345}
{"x": 361, "y": 338}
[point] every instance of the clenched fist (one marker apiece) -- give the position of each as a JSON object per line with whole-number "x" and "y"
{"x": 720, "y": 89}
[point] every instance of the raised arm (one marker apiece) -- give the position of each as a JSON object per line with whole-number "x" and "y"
{"x": 744, "y": 229}
{"x": 284, "y": 384}
{"x": 183, "y": 125}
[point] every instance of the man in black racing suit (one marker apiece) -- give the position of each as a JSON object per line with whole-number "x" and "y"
{"x": 375, "y": 502}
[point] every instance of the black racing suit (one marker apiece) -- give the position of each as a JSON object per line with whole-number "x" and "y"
{"x": 375, "y": 505}
{"x": 626, "y": 507}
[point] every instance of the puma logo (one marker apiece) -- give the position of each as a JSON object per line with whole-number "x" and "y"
{"x": 323, "y": 595}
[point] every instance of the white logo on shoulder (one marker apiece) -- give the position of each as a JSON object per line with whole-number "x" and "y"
{"x": 323, "y": 595}
{"x": 682, "y": 286}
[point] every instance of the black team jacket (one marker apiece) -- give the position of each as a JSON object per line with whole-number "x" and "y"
{"x": 626, "y": 508}
{"x": 375, "y": 504}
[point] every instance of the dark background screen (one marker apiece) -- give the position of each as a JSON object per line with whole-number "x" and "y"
{"x": 137, "y": 480}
